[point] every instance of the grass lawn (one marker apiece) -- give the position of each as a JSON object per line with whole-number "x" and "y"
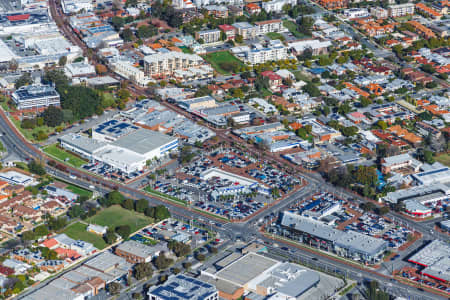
{"x": 64, "y": 156}
{"x": 265, "y": 92}
{"x": 275, "y": 36}
{"x": 115, "y": 215}
{"x": 29, "y": 133}
{"x": 444, "y": 159}
{"x": 149, "y": 190}
{"x": 292, "y": 27}
{"x": 186, "y": 50}
{"x": 217, "y": 58}
{"x": 78, "y": 231}
{"x": 79, "y": 191}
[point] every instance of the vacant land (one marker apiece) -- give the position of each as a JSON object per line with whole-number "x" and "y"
{"x": 275, "y": 36}
{"x": 292, "y": 27}
{"x": 62, "y": 155}
{"x": 115, "y": 216}
{"x": 444, "y": 159}
{"x": 78, "y": 231}
{"x": 149, "y": 190}
{"x": 221, "y": 59}
{"x": 79, "y": 191}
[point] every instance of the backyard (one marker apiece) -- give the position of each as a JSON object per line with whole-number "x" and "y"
{"x": 114, "y": 216}
{"x": 64, "y": 156}
{"x": 224, "y": 62}
{"x": 275, "y": 36}
{"x": 78, "y": 231}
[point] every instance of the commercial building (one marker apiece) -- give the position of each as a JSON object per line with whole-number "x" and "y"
{"x": 13, "y": 177}
{"x": 437, "y": 173}
{"x": 129, "y": 153}
{"x": 350, "y": 244}
{"x": 165, "y": 64}
{"x": 435, "y": 260}
{"x": 192, "y": 104}
{"x": 416, "y": 197}
{"x": 25, "y": 21}
{"x": 74, "y": 6}
{"x": 35, "y": 97}
{"x": 396, "y": 162}
{"x": 353, "y": 13}
{"x": 321, "y": 133}
{"x": 401, "y": 10}
{"x": 128, "y": 71}
{"x": 266, "y": 278}
{"x": 136, "y": 252}
{"x": 182, "y": 287}
{"x": 103, "y": 82}
{"x": 110, "y": 131}
{"x": 79, "y": 69}
{"x": 208, "y": 36}
{"x": 263, "y": 105}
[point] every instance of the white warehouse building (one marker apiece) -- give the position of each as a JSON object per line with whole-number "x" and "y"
{"x": 128, "y": 153}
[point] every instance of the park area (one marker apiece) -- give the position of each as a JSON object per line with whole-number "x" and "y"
{"x": 60, "y": 154}
{"x": 115, "y": 215}
{"x": 78, "y": 231}
{"x": 224, "y": 62}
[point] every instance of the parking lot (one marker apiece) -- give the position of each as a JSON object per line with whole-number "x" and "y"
{"x": 175, "y": 230}
{"x": 414, "y": 275}
{"x": 109, "y": 172}
{"x": 246, "y": 188}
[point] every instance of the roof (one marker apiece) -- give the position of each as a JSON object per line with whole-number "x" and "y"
{"x": 138, "y": 249}
{"x": 183, "y": 287}
{"x": 351, "y": 240}
{"x": 246, "y": 268}
{"x": 50, "y": 243}
{"x": 143, "y": 141}
{"x": 82, "y": 142}
{"x": 435, "y": 257}
{"x": 29, "y": 92}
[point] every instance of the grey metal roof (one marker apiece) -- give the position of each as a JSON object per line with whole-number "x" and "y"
{"x": 82, "y": 142}
{"x": 143, "y": 140}
{"x": 351, "y": 240}
{"x": 182, "y": 287}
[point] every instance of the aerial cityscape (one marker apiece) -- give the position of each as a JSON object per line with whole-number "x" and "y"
{"x": 224, "y": 149}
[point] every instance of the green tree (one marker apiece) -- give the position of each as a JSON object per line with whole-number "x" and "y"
{"x": 62, "y": 61}
{"x": 115, "y": 197}
{"x": 143, "y": 270}
{"x": 41, "y": 230}
{"x": 110, "y": 237}
{"x": 128, "y": 204}
{"x": 127, "y": 35}
{"x": 114, "y": 288}
{"x": 36, "y": 168}
{"x": 117, "y": 22}
{"x": 23, "y": 80}
{"x": 311, "y": 89}
{"x": 28, "y": 236}
{"x": 141, "y": 205}
{"x": 124, "y": 231}
{"x": 53, "y": 116}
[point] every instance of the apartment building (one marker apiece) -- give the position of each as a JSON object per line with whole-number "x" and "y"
{"x": 128, "y": 71}
{"x": 401, "y": 10}
{"x": 245, "y": 29}
{"x": 428, "y": 11}
{"x": 35, "y": 97}
{"x": 422, "y": 30}
{"x": 379, "y": 12}
{"x": 208, "y": 36}
{"x": 277, "y": 5}
{"x": 164, "y": 64}
{"x": 264, "y": 27}
{"x": 398, "y": 162}
{"x": 228, "y": 30}
{"x": 333, "y": 4}
{"x": 274, "y": 51}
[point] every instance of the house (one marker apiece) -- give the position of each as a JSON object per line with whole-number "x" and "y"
{"x": 50, "y": 244}
{"x": 19, "y": 266}
{"x": 252, "y": 8}
{"x": 6, "y": 271}
{"x": 357, "y": 117}
{"x": 97, "y": 229}
{"x": 333, "y": 4}
{"x": 275, "y": 80}
{"x": 428, "y": 11}
{"x": 52, "y": 265}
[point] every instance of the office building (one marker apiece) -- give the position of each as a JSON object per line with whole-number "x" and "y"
{"x": 165, "y": 64}
{"x": 399, "y": 162}
{"x": 35, "y": 97}
{"x": 182, "y": 287}
{"x": 110, "y": 131}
